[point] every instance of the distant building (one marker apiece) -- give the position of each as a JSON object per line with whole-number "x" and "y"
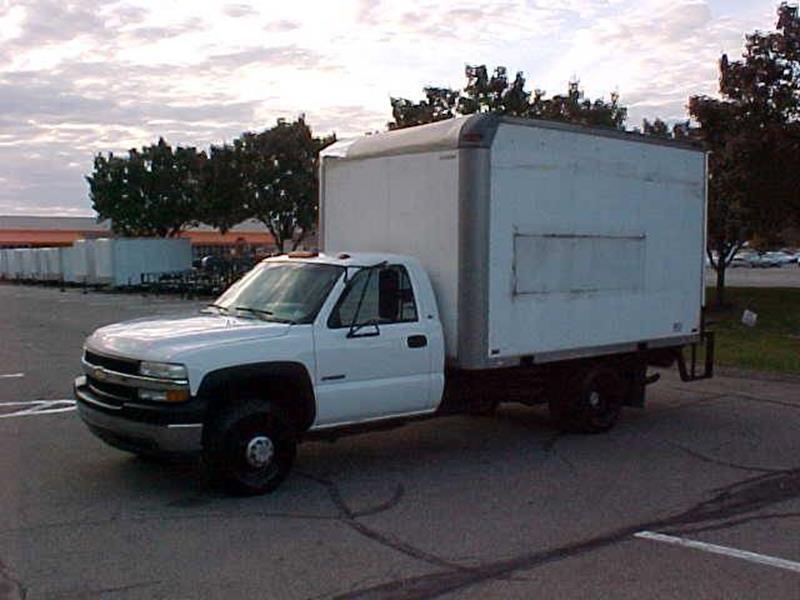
{"x": 29, "y": 231}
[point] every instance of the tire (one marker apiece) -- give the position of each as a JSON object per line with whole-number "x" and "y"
{"x": 249, "y": 449}
{"x": 590, "y": 402}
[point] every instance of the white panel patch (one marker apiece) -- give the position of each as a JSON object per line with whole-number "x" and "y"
{"x": 577, "y": 263}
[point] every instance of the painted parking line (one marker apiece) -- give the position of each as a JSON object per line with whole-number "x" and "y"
{"x": 762, "y": 559}
{"x": 12, "y": 375}
{"x": 37, "y": 407}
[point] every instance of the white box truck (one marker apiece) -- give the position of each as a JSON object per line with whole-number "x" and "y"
{"x": 469, "y": 262}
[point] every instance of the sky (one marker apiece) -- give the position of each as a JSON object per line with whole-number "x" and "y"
{"x": 81, "y": 78}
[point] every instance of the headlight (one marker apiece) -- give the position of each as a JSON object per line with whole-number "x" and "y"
{"x": 163, "y": 370}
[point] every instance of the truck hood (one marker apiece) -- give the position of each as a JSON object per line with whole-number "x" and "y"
{"x": 167, "y": 338}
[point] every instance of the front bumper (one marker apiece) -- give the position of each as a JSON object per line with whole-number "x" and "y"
{"x": 140, "y": 429}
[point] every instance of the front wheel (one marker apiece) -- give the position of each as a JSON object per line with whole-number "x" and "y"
{"x": 249, "y": 449}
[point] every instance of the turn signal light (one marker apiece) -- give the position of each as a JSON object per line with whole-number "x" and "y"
{"x": 177, "y": 395}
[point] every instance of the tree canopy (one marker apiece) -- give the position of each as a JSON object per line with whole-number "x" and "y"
{"x": 151, "y": 192}
{"x": 270, "y": 176}
{"x": 496, "y": 93}
{"x": 753, "y": 134}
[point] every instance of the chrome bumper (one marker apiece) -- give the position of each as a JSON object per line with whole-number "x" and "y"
{"x": 135, "y": 436}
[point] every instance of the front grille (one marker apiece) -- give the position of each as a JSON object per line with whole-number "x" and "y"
{"x": 120, "y": 365}
{"x": 111, "y": 393}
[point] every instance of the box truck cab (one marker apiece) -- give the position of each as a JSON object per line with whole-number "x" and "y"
{"x": 470, "y": 262}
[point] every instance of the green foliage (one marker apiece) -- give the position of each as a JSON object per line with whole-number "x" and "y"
{"x": 495, "y": 93}
{"x": 152, "y": 192}
{"x": 279, "y": 167}
{"x": 754, "y": 138}
{"x": 773, "y": 344}
{"x": 270, "y": 176}
{"x": 222, "y": 199}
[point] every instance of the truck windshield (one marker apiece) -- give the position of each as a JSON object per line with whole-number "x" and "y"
{"x": 284, "y": 292}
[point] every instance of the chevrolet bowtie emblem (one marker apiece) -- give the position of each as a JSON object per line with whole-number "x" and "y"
{"x": 99, "y": 373}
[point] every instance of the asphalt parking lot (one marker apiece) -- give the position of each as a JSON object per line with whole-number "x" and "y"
{"x": 696, "y": 496}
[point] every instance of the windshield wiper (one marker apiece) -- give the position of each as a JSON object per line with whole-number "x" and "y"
{"x": 219, "y": 307}
{"x": 257, "y": 311}
{"x": 266, "y": 313}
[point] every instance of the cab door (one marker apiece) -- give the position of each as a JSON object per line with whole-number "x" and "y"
{"x": 372, "y": 350}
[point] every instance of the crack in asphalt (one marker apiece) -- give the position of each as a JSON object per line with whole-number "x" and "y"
{"x": 11, "y": 588}
{"x": 94, "y": 593}
{"x": 752, "y": 398}
{"x": 719, "y": 462}
{"x": 350, "y": 518}
{"x": 740, "y": 498}
{"x": 735, "y": 523}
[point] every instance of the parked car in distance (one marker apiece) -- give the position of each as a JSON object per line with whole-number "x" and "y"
{"x": 774, "y": 259}
{"x": 745, "y": 259}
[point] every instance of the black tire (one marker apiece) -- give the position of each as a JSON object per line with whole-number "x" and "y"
{"x": 244, "y": 435}
{"x": 590, "y": 402}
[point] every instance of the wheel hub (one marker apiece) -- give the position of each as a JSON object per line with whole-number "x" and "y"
{"x": 259, "y": 452}
{"x": 594, "y": 399}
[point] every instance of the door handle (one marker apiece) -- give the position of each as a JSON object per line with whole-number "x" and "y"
{"x": 417, "y": 341}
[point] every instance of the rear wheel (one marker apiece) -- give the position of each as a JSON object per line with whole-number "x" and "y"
{"x": 590, "y": 401}
{"x": 249, "y": 448}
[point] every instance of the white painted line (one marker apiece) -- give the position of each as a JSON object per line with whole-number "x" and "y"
{"x": 763, "y": 559}
{"x": 12, "y": 375}
{"x": 39, "y": 407}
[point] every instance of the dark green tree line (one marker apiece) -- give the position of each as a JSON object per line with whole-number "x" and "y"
{"x": 495, "y": 92}
{"x": 269, "y": 176}
{"x": 753, "y": 135}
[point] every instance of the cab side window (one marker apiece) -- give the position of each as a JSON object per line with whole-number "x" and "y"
{"x": 382, "y": 296}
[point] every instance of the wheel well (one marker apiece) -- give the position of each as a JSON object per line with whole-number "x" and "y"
{"x": 285, "y": 385}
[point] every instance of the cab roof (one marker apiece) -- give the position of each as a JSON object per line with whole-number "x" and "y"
{"x": 342, "y": 259}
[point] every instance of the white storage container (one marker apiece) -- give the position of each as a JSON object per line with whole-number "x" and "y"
{"x": 67, "y": 264}
{"x": 28, "y": 265}
{"x": 38, "y": 264}
{"x": 104, "y": 260}
{"x": 543, "y": 241}
{"x": 16, "y": 268}
{"x": 123, "y": 261}
{"x": 52, "y": 261}
{"x": 83, "y": 261}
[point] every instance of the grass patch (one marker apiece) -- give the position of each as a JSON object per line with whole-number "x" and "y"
{"x": 773, "y": 344}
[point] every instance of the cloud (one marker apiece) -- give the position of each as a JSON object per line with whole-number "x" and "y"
{"x": 237, "y": 11}
{"x": 77, "y": 78}
{"x": 275, "y": 56}
{"x": 281, "y": 26}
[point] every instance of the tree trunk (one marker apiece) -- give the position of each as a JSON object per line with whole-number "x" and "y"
{"x": 296, "y": 243}
{"x": 721, "y": 268}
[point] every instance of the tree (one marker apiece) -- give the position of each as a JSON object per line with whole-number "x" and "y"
{"x": 495, "y": 93}
{"x": 222, "y": 197}
{"x": 439, "y": 104}
{"x": 152, "y": 192}
{"x": 753, "y": 136}
{"x": 279, "y": 187}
